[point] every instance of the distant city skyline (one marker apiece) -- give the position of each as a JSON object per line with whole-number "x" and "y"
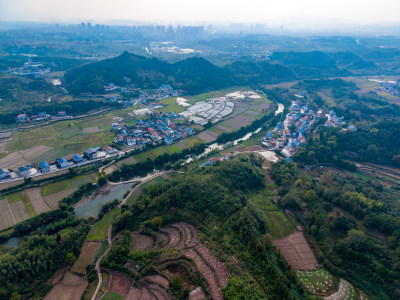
{"x": 300, "y": 13}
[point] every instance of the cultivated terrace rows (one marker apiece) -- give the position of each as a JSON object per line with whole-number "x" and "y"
{"x": 190, "y": 255}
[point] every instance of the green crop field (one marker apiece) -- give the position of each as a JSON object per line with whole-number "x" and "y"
{"x": 318, "y": 282}
{"x": 83, "y": 179}
{"x": 278, "y": 224}
{"x": 69, "y": 136}
{"x": 153, "y": 153}
{"x": 99, "y": 230}
{"x": 113, "y": 296}
{"x": 171, "y": 105}
{"x": 56, "y": 187}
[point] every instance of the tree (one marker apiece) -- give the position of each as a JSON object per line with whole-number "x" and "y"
{"x": 176, "y": 283}
{"x": 356, "y": 239}
{"x": 70, "y": 258}
{"x": 102, "y": 181}
{"x": 157, "y": 222}
{"x": 310, "y": 196}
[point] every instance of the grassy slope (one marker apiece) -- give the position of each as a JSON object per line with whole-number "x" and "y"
{"x": 99, "y": 230}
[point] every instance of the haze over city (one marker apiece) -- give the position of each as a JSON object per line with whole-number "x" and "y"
{"x": 264, "y": 11}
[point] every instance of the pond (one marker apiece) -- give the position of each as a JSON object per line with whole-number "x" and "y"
{"x": 93, "y": 206}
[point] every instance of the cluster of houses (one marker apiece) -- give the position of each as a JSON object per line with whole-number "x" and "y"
{"x": 30, "y": 68}
{"x": 392, "y": 87}
{"x": 213, "y": 160}
{"x": 162, "y": 92}
{"x": 333, "y": 120}
{"x": 21, "y": 118}
{"x": 68, "y": 161}
{"x": 289, "y": 135}
{"x": 157, "y": 130}
{"x": 72, "y": 160}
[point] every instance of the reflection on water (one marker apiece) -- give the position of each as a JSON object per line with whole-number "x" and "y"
{"x": 92, "y": 207}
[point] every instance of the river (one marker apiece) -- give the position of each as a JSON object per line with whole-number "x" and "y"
{"x": 92, "y": 207}
{"x": 217, "y": 146}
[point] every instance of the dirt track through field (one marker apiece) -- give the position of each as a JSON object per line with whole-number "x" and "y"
{"x": 297, "y": 252}
{"x": 35, "y": 196}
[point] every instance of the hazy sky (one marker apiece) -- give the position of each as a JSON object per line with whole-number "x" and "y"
{"x": 207, "y": 11}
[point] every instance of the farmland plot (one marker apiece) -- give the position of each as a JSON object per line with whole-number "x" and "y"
{"x": 19, "y": 211}
{"x": 35, "y": 196}
{"x": 6, "y": 216}
{"x": 88, "y": 253}
{"x": 297, "y": 252}
{"x": 52, "y": 200}
{"x": 70, "y": 288}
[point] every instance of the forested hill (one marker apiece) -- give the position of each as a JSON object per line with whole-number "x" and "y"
{"x": 193, "y": 74}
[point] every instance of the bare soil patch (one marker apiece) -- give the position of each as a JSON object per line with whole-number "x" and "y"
{"x": 297, "y": 252}
{"x": 32, "y": 153}
{"x": 22, "y": 157}
{"x": 19, "y": 211}
{"x": 134, "y": 294}
{"x": 238, "y": 121}
{"x": 6, "y": 216}
{"x": 88, "y": 253}
{"x": 70, "y": 288}
{"x": 206, "y": 137}
{"x": 206, "y": 272}
{"x": 158, "y": 279}
{"x": 52, "y": 200}
{"x": 35, "y": 196}
{"x": 142, "y": 242}
{"x": 197, "y": 294}
{"x": 224, "y": 128}
{"x": 250, "y": 149}
{"x": 13, "y": 161}
{"x": 119, "y": 284}
{"x": 92, "y": 130}
{"x": 59, "y": 275}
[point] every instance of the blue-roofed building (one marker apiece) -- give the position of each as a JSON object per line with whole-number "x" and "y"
{"x": 77, "y": 158}
{"x": 168, "y": 140}
{"x": 62, "y": 163}
{"x": 45, "y": 167}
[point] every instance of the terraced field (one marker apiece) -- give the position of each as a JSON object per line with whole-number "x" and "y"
{"x": 184, "y": 256}
{"x": 318, "y": 282}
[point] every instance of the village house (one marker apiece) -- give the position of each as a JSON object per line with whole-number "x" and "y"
{"x": 114, "y": 126}
{"x": 62, "y": 163}
{"x": 5, "y": 174}
{"x": 45, "y": 167}
{"x": 21, "y": 118}
{"x": 77, "y": 158}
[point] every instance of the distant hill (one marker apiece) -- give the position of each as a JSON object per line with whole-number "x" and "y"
{"x": 193, "y": 74}
{"x": 320, "y": 64}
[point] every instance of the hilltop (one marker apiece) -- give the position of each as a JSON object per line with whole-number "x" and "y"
{"x": 194, "y": 74}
